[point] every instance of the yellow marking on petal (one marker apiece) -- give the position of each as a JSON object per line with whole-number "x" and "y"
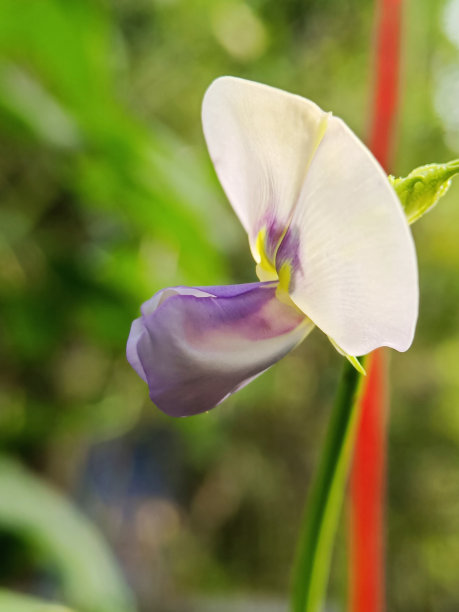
{"x": 266, "y": 270}
{"x": 285, "y": 276}
{"x": 320, "y": 134}
{"x": 265, "y": 275}
{"x": 282, "y": 290}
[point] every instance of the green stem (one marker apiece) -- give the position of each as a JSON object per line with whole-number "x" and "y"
{"x": 326, "y": 497}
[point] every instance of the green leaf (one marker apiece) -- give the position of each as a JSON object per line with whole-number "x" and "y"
{"x": 352, "y": 360}
{"x": 14, "y": 602}
{"x": 423, "y": 187}
{"x": 91, "y": 579}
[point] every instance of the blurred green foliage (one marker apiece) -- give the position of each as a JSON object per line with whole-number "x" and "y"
{"x": 63, "y": 539}
{"x": 20, "y": 603}
{"x": 107, "y": 195}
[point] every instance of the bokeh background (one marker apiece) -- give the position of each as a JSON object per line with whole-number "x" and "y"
{"x": 107, "y": 195}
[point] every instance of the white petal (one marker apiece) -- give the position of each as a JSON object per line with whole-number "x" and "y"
{"x": 261, "y": 141}
{"x": 353, "y": 261}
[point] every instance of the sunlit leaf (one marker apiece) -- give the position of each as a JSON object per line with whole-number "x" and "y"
{"x": 13, "y": 602}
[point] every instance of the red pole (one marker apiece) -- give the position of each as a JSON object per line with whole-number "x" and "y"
{"x": 367, "y": 576}
{"x": 368, "y": 478}
{"x": 385, "y": 98}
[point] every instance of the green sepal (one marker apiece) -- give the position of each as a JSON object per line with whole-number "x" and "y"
{"x": 423, "y": 187}
{"x": 352, "y": 360}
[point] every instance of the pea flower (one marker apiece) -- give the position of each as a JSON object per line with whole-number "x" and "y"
{"x": 327, "y": 232}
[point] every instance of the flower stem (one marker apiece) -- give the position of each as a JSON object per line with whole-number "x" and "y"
{"x": 326, "y": 497}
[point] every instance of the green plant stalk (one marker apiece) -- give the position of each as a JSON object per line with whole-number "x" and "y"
{"x": 326, "y": 497}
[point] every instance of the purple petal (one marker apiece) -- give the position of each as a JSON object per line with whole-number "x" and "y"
{"x": 196, "y": 346}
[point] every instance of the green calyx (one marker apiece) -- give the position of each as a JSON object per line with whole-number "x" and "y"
{"x": 423, "y": 187}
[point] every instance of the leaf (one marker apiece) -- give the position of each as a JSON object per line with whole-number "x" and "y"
{"x": 14, "y": 602}
{"x": 91, "y": 579}
{"x": 423, "y": 187}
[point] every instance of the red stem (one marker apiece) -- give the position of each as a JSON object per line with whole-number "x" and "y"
{"x": 367, "y": 575}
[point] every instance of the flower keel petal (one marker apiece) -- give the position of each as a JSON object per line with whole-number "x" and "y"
{"x": 195, "y": 346}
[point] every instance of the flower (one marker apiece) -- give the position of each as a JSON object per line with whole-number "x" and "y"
{"x": 331, "y": 244}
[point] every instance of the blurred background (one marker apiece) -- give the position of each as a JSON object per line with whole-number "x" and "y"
{"x": 107, "y": 195}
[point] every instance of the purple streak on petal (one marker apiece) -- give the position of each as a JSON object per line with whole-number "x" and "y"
{"x": 274, "y": 231}
{"x": 288, "y": 252}
{"x": 194, "y": 349}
